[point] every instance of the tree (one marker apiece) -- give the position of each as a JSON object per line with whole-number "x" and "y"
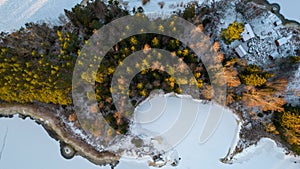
{"x": 265, "y": 99}
{"x": 278, "y": 84}
{"x": 94, "y": 15}
{"x": 36, "y": 64}
{"x": 254, "y": 76}
{"x": 295, "y": 59}
{"x": 232, "y": 33}
{"x": 231, "y": 76}
{"x": 208, "y": 92}
{"x": 253, "y": 80}
{"x": 189, "y": 12}
{"x": 288, "y": 125}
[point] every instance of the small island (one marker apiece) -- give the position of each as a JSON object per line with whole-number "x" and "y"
{"x": 257, "y": 48}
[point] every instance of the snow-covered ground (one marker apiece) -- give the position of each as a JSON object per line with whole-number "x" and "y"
{"x": 15, "y": 13}
{"x": 153, "y": 7}
{"x": 293, "y": 89}
{"x": 207, "y": 155}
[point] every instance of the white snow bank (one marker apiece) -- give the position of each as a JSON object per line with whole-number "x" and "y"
{"x": 268, "y": 147}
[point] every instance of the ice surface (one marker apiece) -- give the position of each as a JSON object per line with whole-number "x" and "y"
{"x": 265, "y": 155}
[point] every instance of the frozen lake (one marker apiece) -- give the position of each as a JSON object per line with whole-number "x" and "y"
{"x": 29, "y": 146}
{"x": 207, "y": 155}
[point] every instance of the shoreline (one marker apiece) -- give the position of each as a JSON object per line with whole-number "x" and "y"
{"x": 285, "y": 21}
{"x": 59, "y": 131}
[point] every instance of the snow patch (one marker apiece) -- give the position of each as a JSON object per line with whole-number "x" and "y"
{"x": 293, "y": 89}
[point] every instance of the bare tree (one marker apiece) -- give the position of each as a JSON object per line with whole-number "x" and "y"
{"x": 208, "y": 92}
{"x": 231, "y": 76}
{"x": 264, "y": 99}
{"x": 279, "y": 84}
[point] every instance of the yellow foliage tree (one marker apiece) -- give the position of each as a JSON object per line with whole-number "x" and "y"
{"x": 233, "y": 32}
